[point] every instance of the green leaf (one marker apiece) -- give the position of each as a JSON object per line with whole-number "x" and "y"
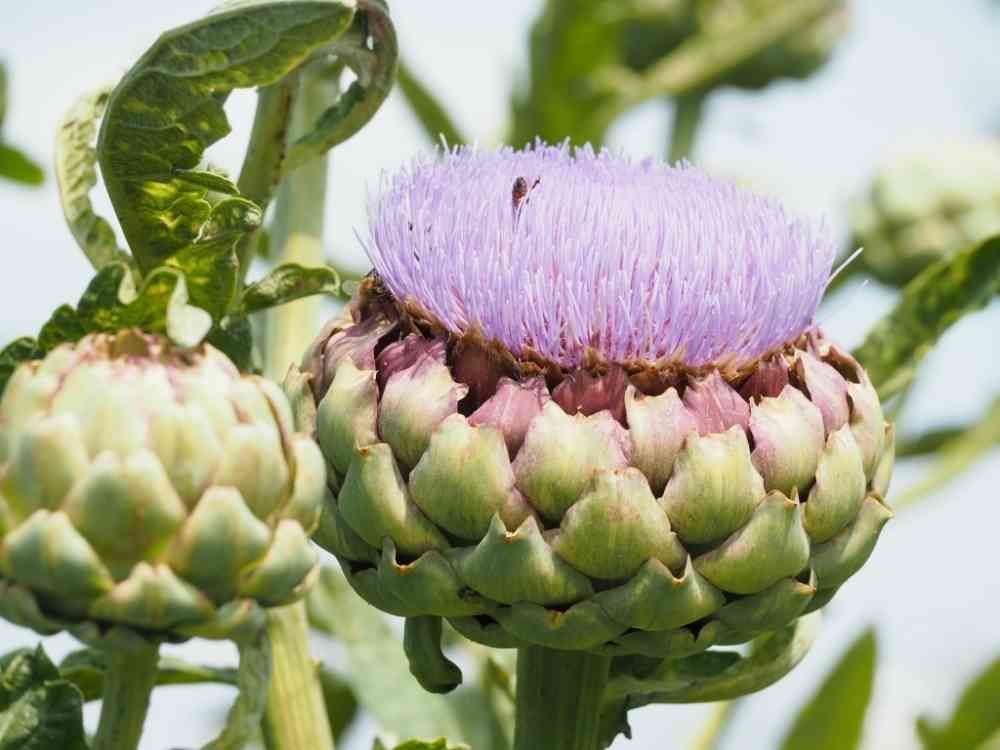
{"x": 378, "y": 670}
{"x": 234, "y": 336}
{"x": 341, "y": 703}
{"x": 712, "y": 675}
{"x": 38, "y": 709}
{"x": 169, "y": 108}
{"x": 288, "y": 282}
{"x": 18, "y": 166}
{"x": 934, "y": 301}
{"x": 834, "y": 718}
{"x": 428, "y": 109}
{"x": 975, "y": 721}
{"x": 253, "y": 678}
{"x": 957, "y": 455}
{"x": 370, "y": 50}
{"x": 439, "y": 744}
{"x": 14, "y": 164}
{"x": 17, "y": 351}
{"x": 85, "y": 668}
{"x": 76, "y": 174}
{"x": 110, "y": 304}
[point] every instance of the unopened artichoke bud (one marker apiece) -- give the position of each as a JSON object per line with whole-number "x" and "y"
{"x": 581, "y": 403}
{"x": 150, "y": 489}
{"x": 798, "y": 54}
{"x": 925, "y": 206}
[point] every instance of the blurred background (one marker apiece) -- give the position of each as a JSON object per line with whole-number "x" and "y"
{"x": 909, "y": 76}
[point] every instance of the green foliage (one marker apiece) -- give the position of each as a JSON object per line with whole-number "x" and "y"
{"x": 246, "y": 713}
{"x": 378, "y": 670}
{"x": 975, "y": 720}
{"x": 712, "y": 675}
{"x": 86, "y": 668}
{"x": 341, "y": 703}
{"x": 76, "y": 174}
{"x": 110, "y": 303}
{"x": 429, "y": 111}
{"x": 14, "y": 164}
{"x": 936, "y": 299}
{"x": 959, "y": 452}
{"x": 833, "y": 718}
{"x": 439, "y": 744}
{"x": 169, "y": 108}
{"x": 38, "y": 709}
{"x": 286, "y": 283}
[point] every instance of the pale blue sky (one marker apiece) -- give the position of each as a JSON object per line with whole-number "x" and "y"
{"x": 911, "y": 72}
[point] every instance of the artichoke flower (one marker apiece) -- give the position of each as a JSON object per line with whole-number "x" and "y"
{"x": 152, "y": 490}
{"x": 581, "y": 403}
{"x": 925, "y": 206}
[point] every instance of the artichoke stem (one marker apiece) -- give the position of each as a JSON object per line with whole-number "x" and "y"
{"x": 296, "y": 716}
{"x": 128, "y": 685}
{"x": 559, "y": 699}
{"x": 687, "y": 118}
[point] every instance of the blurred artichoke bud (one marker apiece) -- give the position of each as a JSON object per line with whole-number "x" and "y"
{"x": 564, "y": 425}
{"x": 150, "y": 488}
{"x": 660, "y": 30}
{"x": 927, "y": 206}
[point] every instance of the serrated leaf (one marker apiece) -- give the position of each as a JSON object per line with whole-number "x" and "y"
{"x": 834, "y": 717}
{"x": 286, "y": 283}
{"x": 435, "y": 120}
{"x": 76, "y": 175}
{"x": 38, "y": 709}
{"x": 169, "y": 108}
{"x": 956, "y": 455}
{"x": 378, "y": 670}
{"x": 934, "y": 301}
{"x": 85, "y": 668}
{"x": 975, "y": 720}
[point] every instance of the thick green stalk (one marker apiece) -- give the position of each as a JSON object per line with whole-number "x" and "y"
{"x": 297, "y": 231}
{"x": 265, "y": 158}
{"x": 687, "y": 118}
{"x": 559, "y": 699}
{"x": 128, "y": 685}
{"x": 296, "y": 717}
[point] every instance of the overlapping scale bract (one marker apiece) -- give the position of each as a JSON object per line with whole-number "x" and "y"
{"x": 153, "y": 489}
{"x": 708, "y": 512}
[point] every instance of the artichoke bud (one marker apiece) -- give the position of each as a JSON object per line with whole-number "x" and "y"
{"x": 926, "y": 206}
{"x": 538, "y": 465}
{"x": 153, "y": 489}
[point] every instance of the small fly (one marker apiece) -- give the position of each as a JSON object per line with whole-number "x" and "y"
{"x": 521, "y": 192}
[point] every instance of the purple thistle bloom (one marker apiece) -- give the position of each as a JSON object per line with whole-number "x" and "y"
{"x": 558, "y": 250}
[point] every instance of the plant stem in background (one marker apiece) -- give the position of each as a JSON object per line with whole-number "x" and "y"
{"x": 559, "y": 698}
{"x": 128, "y": 684}
{"x": 687, "y": 117}
{"x": 296, "y": 716}
{"x": 262, "y": 166}
{"x": 710, "y": 737}
{"x": 297, "y": 230}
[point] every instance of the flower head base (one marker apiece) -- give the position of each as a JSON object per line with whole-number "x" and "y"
{"x": 556, "y": 252}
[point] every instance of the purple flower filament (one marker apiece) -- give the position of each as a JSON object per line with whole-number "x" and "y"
{"x": 558, "y": 250}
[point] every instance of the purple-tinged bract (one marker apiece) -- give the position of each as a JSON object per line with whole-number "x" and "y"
{"x": 555, "y": 250}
